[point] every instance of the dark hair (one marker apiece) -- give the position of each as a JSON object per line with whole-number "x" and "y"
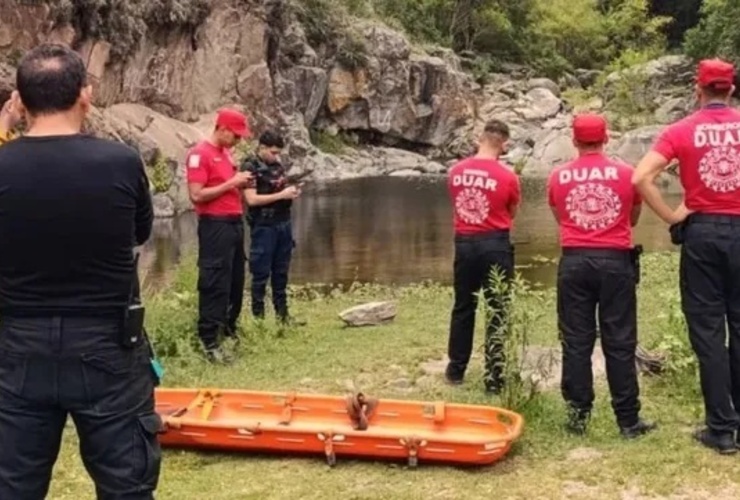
{"x": 50, "y": 78}
{"x": 496, "y": 127}
{"x": 713, "y": 92}
{"x": 271, "y": 139}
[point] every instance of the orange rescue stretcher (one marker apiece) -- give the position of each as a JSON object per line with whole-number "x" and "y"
{"x": 353, "y": 426}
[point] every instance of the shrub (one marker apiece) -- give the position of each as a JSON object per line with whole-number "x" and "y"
{"x": 717, "y": 34}
{"x": 125, "y": 23}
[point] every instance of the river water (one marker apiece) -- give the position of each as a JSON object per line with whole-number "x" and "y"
{"x": 389, "y": 230}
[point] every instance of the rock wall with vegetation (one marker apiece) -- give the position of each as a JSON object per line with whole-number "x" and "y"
{"x": 377, "y": 87}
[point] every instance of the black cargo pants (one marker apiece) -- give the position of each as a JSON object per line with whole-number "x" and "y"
{"x": 710, "y": 297}
{"x": 52, "y": 367}
{"x": 476, "y": 258}
{"x": 591, "y": 283}
{"x": 221, "y": 275}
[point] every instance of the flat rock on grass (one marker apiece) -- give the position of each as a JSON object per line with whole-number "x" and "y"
{"x": 370, "y": 314}
{"x": 584, "y": 454}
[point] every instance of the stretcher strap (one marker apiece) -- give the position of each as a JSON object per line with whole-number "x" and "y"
{"x": 329, "y": 438}
{"x": 287, "y": 414}
{"x": 412, "y": 444}
{"x": 360, "y": 408}
{"x": 204, "y": 398}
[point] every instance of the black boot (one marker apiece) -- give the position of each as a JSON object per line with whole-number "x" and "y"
{"x": 639, "y": 429}
{"x": 577, "y": 422}
{"x": 721, "y": 442}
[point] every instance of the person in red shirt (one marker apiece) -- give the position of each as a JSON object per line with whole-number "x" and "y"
{"x": 707, "y": 226}
{"x": 485, "y": 196}
{"x": 595, "y": 206}
{"x": 216, "y": 187}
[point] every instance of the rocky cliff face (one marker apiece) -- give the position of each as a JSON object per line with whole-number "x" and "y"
{"x": 418, "y": 109}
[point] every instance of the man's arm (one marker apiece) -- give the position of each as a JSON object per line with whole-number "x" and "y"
{"x": 649, "y": 168}
{"x": 197, "y": 174}
{"x": 255, "y": 200}
{"x": 144, "y": 217}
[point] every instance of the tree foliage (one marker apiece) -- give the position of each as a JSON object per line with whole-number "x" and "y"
{"x": 718, "y": 32}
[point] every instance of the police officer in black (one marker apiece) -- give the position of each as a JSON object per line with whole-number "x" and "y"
{"x": 70, "y": 341}
{"x": 270, "y": 199}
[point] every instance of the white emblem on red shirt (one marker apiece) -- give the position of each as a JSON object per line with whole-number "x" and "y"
{"x": 593, "y": 206}
{"x": 471, "y": 206}
{"x": 194, "y": 161}
{"x": 719, "y": 169}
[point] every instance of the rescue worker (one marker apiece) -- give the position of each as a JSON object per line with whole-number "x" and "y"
{"x": 69, "y": 342}
{"x": 485, "y": 197}
{"x": 10, "y": 116}
{"x": 215, "y": 188}
{"x": 707, "y": 224}
{"x": 596, "y": 206}
{"x": 270, "y": 199}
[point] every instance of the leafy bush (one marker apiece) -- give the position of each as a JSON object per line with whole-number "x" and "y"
{"x": 160, "y": 173}
{"x": 718, "y": 33}
{"x": 125, "y": 23}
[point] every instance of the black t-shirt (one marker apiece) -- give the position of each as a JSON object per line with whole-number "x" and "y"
{"x": 269, "y": 179}
{"x": 71, "y": 210}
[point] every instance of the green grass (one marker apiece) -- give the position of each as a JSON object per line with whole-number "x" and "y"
{"x": 324, "y": 357}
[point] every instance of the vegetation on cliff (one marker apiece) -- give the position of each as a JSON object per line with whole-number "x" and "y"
{"x": 551, "y": 36}
{"x": 125, "y": 24}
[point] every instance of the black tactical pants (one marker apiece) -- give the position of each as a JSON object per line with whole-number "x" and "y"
{"x": 599, "y": 283}
{"x": 270, "y": 254}
{"x": 476, "y": 259}
{"x": 221, "y": 267}
{"x": 710, "y": 296}
{"x": 54, "y": 367}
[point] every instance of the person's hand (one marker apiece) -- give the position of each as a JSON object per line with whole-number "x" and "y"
{"x": 241, "y": 179}
{"x": 290, "y": 193}
{"x": 680, "y": 214}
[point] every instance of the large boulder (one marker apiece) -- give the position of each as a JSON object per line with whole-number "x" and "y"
{"x": 418, "y": 98}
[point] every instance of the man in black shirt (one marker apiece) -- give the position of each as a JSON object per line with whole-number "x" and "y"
{"x": 270, "y": 200}
{"x": 72, "y": 208}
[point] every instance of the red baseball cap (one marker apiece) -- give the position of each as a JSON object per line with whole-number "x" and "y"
{"x": 715, "y": 72}
{"x": 589, "y": 128}
{"x": 234, "y": 121}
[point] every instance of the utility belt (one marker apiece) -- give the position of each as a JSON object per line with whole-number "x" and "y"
{"x": 496, "y": 234}
{"x": 678, "y": 230}
{"x": 631, "y": 255}
{"x": 267, "y": 217}
{"x": 228, "y": 219}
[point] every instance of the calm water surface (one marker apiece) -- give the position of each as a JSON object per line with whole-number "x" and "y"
{"x": 388, "y": 230}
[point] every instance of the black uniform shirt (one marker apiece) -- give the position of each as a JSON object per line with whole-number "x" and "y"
{"x": 268, "y": 179}
{"x": 71, "y": 210}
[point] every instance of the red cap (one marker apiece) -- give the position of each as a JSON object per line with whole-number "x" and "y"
{"x": 234, "y": 121}
{"x": 715, "y": 72}
{"x": 589, "y": 128}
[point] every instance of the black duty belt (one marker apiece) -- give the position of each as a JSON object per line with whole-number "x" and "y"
{"x": 714, "y": 219}
{"x": 221, "y": 218}
{"x": 499, "y": 234}
{"x": 601, "y": 253}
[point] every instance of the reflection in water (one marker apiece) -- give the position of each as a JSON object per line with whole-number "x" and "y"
{"x": 389, "y": 230}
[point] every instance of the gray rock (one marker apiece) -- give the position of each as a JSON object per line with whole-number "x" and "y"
{"x": 587, "y": 77}
{"x": 370, "y": 314}
{"x": 163, "y": 205}
{"x": 405, "y": 173}
{"x": 672, "y": 110}
{"x": 636, "y": 143}
{"x": 544, "y": 83}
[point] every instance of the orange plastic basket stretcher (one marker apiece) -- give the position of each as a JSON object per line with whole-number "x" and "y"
{"x": 353, "y": 426}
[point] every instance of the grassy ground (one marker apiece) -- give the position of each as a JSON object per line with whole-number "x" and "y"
{"x": 387, "y": 362}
